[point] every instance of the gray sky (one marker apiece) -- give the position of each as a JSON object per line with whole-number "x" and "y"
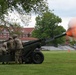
{"x": 63, "y": 8}
{"x": 66, "y": 10}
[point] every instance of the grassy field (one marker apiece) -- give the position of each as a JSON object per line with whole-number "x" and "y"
{"x": 55, "y": 63}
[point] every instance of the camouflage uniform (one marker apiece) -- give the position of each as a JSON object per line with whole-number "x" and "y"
{"x": 3, "y": 49}
{"x": 18, "y": 51}
{"x": 11, "y": 46}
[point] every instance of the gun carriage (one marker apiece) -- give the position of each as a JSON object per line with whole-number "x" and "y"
{"x": 31, "y": 52}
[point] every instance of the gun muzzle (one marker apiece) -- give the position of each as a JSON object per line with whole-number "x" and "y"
{"x": 51, "y": 39}
{"x": 63, "y": 34}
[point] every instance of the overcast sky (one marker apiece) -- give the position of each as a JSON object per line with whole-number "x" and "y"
{"x": 66, "y": 10}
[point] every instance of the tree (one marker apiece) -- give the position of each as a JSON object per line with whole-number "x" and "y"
{"x": 20, "y": 5}
{"x": 47, "y": 26}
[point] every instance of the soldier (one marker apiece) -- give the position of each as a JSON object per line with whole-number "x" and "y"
{"x": 3, "y": 50}
{"x": 18, "y": 49}
{"x": 11, "y": 46}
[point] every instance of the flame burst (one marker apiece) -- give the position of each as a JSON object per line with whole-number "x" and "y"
{"x": 72, "y": 28}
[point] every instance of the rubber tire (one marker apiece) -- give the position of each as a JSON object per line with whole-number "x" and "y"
{"x": 37, "y": 57}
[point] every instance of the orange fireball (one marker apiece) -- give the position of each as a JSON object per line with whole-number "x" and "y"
{"x": 69, "y": 32}
{"x": 72, "y": 28}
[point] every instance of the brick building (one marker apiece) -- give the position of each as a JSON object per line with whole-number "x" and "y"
{"x": 25, "y": 36}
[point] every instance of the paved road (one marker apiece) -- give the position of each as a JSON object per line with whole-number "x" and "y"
{"x": 57, "y": 48}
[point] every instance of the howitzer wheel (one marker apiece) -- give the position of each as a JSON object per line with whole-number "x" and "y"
{"x": 38, "y": 57}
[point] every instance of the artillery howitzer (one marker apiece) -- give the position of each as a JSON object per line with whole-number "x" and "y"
{"x": 31, "y": 52}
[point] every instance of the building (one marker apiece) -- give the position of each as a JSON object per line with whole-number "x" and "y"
{"x": 25, "y": 36}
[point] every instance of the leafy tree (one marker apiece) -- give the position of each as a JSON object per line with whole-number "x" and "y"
{"x": 47, "y": 27}
{"x": 20, "y": 5}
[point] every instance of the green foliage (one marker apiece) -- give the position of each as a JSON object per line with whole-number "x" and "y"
{"x": 3, "y": 7}
{"x": 27, "y": 5}
{"x": 47, "y": 27}
{"x": 22, "y": 8}
{"x": 72, "y": 41}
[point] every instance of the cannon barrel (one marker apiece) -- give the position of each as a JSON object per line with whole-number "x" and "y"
{"x": 44, "y": 41}
{"x": 63, "y": 34}
{"x": 58, "y": 36}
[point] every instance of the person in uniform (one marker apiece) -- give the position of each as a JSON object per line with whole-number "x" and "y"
{"x": 3, "y": 50}
{"x": 11, "y": 46}
{"x": 18, "y": 49}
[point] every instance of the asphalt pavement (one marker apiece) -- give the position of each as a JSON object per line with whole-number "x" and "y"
{"x": 60, "y": 47}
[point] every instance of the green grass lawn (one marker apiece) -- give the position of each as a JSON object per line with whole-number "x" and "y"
{"x": 55, "y": 63}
